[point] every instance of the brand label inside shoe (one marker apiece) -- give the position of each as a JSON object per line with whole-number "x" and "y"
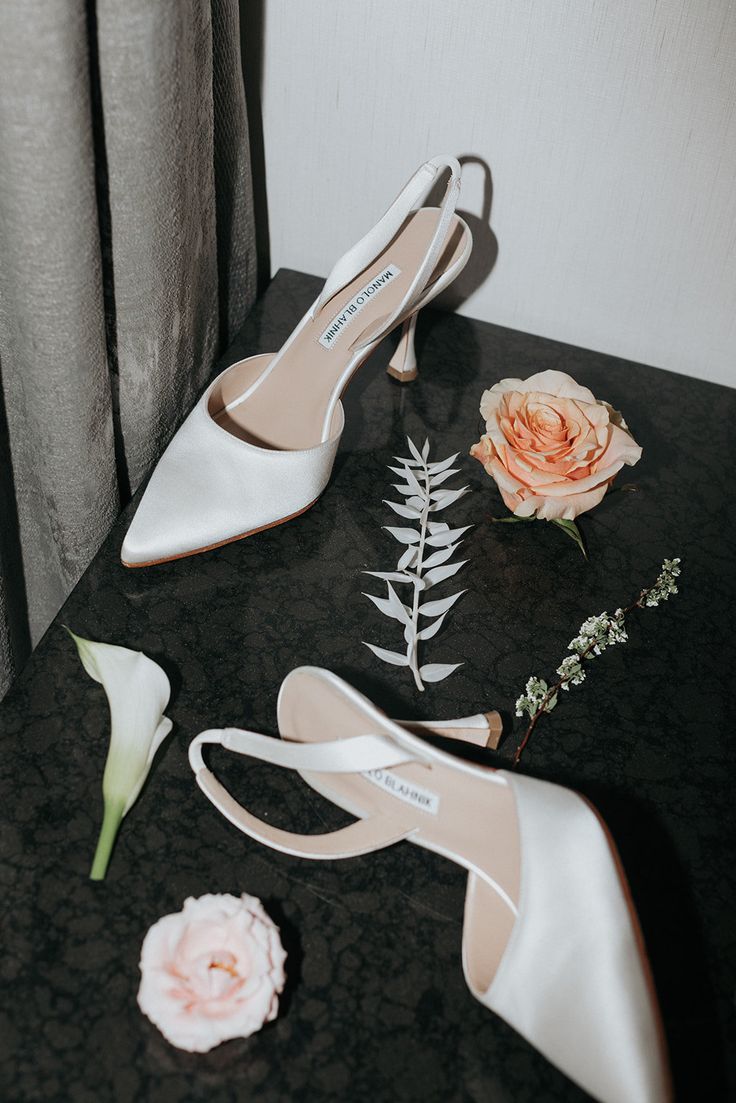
{"x": 352, "y": 309}
{"x": 405, "y": 790}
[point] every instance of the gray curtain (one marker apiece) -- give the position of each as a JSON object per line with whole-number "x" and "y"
{"x": 127, "y": 262}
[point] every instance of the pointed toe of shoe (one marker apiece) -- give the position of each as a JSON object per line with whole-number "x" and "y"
{"x": 211, "y": 487}
{"x": 151, "y": 538}
{"x": 175, "y": 516}
{"x": 133, "y": 552}
{"x": 146, "y": 543}
{"x": 178, "y": 514}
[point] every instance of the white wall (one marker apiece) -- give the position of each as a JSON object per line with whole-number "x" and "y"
{"x": 609, "y": 127}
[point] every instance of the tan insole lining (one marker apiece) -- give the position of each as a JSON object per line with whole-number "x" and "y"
{"x": 288, "y": 409}
{"x": 475, "y": 820}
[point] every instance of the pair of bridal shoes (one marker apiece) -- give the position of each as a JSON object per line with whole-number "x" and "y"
{"x": 259, "y": 446}
{"x": 551, "y": 942}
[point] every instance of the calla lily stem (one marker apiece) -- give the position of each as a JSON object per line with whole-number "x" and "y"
{"x": 108, "y": 832}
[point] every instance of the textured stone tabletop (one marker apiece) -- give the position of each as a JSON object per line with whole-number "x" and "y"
{"x": 376, "y": 1007}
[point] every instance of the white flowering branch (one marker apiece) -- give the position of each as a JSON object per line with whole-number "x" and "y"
{"x": 424, "y": 562}
{"x": 595, "y": 635}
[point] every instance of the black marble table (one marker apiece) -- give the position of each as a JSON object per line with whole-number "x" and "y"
{"x": 376, "y": 1007}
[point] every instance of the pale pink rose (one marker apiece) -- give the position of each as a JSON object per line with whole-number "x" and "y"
{"x": 212, "y": 971}
{"x": 551, "y": 446}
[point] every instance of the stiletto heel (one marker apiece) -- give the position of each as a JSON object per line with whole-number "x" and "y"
{"x": 259, "y": 446}
{"x": 403, "y": 364}
{"x": 550, "y": 939}
{"x": 482, "y": 730}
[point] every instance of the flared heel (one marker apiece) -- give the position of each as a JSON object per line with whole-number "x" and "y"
{"x": 482, "y": 730}
{"x": 403, "y": 364}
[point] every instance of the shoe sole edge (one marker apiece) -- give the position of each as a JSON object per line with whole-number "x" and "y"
{"x": 220, "y": 543}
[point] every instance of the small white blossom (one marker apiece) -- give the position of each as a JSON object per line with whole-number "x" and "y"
{"x": 598, "y": 633}
{"x": 532, "y": 698}
{"x": 571, "y": 671}
{"x": 665, "y": 586}
{"x": 616, "y": 631}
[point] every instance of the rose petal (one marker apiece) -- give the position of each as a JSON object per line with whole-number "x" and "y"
{"x": 548, "y": 382}
{"x": 565, "y": 487}
{"x": 621, "y": 447}
{"x": 570, "y": 507}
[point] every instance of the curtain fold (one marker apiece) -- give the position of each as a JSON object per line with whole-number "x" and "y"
{"x": 127, "y": 262}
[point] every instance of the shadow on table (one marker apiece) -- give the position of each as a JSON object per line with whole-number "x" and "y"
{"x": 294, "y": 953}
{"x": 435, "y": 399}
{"x": 485, "y": 243}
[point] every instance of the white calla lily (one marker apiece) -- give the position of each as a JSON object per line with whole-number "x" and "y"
{"x": 137, "y": 691}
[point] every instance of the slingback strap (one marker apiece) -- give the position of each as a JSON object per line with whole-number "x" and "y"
{"x": 354, "y": 755}
{"x": 375, "y": 241}
{"x": 335, "y": 756}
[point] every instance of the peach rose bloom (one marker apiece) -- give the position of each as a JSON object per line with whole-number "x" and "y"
{"x": 212, "y": 971}
{"x": 551, "y": 446}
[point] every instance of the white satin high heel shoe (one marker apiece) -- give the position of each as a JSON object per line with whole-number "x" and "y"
{"x": 258, "y": 447}
{"x": 550, "y": 941}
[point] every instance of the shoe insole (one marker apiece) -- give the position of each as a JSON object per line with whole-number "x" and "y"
{"x": 287, "y": 410}
{"x": 469, "y": 819}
